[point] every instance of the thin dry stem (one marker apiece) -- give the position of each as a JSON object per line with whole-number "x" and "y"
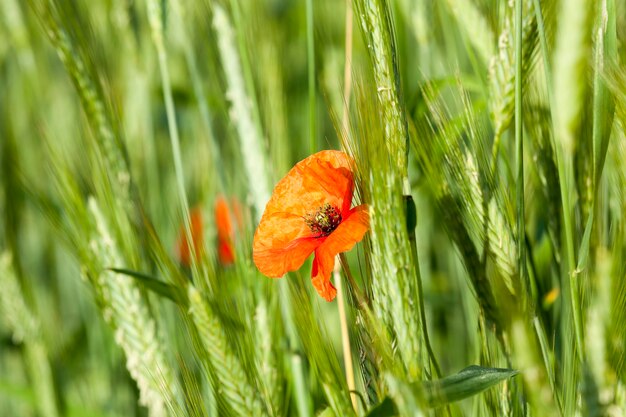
{"x": 345, "y": 337}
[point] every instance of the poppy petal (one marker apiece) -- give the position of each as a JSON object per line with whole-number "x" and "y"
{"x": 320, "y": 276}
{"x": 342, "y": 239}
{"x": 282, "y": 243}
{"x": 324, "y": 177}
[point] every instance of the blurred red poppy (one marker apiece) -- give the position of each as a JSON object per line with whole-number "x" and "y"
{"x": 225, "y": 246}
{"x": 183, "y": 249}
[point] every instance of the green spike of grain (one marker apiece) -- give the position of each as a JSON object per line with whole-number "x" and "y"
{"x": 538, "y": 126}
{"x": 394, "y": 281}
{"x": 474, "y": 214}
{"x": 124, "y": 308}
{"x": 502, "y": 68}
{"x": 502, "y": 247}
{"x": 231, "y": 380}
{"x": 91, "y": 97}
{"x": 455, "y": 184}
{"x": 394, "y": 288}
{"x": 476, "y": 271}
{"x": 374, "y": 17}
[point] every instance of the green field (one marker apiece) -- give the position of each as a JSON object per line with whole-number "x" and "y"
{"x": 484, "y": 142}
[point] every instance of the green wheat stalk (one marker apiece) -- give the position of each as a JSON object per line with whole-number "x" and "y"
{"x": 376, "y": 24}
{"x": 89, "y": 91}
{"x": 393, "y": 282}
{"x": 232, "y": 383}
{"x": 124, "y": 308}
{"x": 502, "y": 68}
{"x": 241, "y": 112}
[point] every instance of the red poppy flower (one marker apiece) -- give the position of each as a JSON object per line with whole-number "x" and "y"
{"x": 183, "y": 249}
{"x": 225, "y": 248}
{"x": 310, "y": 212}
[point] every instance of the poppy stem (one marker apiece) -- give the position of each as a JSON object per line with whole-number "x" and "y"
{"x": 345, "y": 337}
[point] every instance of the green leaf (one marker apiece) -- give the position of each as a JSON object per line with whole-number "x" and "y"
{"x": 157, "y": 286}
{"x": 404, "y": 397}
{"x": 470, "y": 381}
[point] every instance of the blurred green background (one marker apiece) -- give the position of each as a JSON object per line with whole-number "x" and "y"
{"x": 118, "y": 116}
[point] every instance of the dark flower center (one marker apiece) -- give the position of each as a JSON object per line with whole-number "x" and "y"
{"x": 324, "y": 220}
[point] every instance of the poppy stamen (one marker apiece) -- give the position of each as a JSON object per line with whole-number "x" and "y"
{"x": 324, "y": 220}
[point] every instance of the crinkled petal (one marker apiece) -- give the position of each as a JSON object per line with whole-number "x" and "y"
{"x": 350, "y": 231}
{"x": 282, "y": 243}
{"x": 324, "y": 177}
{"x": 320, "y": 276}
